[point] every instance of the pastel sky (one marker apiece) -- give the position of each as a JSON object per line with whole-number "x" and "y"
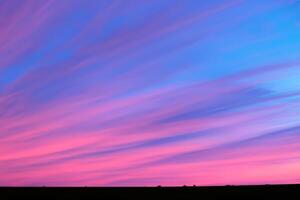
{"x": 146, "y": 93}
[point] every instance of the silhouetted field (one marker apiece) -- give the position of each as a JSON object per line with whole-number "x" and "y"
{"x": 184, "y": 192}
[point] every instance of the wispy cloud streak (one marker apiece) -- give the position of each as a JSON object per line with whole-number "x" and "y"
{"x": 134, "y": 93}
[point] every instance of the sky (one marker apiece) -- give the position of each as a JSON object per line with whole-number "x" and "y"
{"x": 147, "y": 93}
